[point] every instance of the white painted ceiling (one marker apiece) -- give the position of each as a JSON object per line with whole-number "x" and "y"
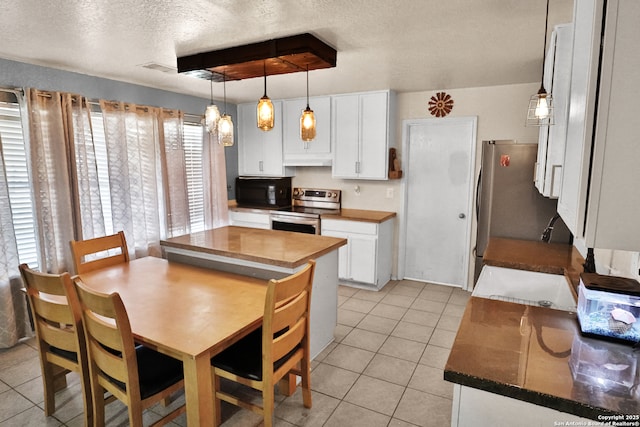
{"x": 404, "y": 45}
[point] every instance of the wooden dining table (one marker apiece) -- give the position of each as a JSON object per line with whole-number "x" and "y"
{"x": 186, "y": 312}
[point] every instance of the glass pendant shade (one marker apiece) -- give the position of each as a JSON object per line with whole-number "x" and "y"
{"x": 540, "y": 110}
{"x": 211, "y": 118}
{"x": 265, "y": 113}
{"x": 307, "y": 119}
{"x": 225, "y": 131}
{"x": 307, "y": 125}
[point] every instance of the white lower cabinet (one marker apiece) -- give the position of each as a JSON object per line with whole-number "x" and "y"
{"x": 366, "y": 259}
{"x": 479, "y": 408}
{"x": 250, "y": 219}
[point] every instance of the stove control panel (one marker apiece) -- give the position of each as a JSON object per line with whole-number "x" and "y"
{"x": 314, "y": 196}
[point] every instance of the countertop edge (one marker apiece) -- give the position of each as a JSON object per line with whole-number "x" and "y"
{"x": 361, "y": 215}
{"x": 530, "y": 396}
{"x": 252, "y": 258}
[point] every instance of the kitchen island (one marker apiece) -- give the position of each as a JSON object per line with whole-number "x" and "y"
{"x": 269, "y": 254}
{"x": 512, "y": 362}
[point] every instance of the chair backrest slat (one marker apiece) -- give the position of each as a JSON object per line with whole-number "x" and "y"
{"x": 287, "y": 307}
{"x": 110, "y": 341}
{"x": 92, "y": 254}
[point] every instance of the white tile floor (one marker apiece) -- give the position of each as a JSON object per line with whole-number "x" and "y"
{"x": 385, "y": 368}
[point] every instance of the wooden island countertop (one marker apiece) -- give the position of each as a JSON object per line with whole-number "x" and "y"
{"x": 272, "y": 247}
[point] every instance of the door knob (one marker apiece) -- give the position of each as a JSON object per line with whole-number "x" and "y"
{"x": 462, "y": 216}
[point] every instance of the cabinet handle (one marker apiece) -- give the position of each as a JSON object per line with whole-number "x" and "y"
{"x": 357, "y": 167}
{"x": 260, "y": 166}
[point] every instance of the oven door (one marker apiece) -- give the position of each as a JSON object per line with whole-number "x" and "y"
{"x": 295, "y": 223}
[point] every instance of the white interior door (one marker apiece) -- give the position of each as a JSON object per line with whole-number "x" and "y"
{"x": 439, "y": 155}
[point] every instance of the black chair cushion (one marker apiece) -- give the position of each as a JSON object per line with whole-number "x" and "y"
{"x": 244, "y": 358}
{"x": 156, "y": 371}
{"x": 69, "y": 355}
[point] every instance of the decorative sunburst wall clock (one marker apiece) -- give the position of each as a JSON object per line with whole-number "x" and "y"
{"x": 440, "y": 104}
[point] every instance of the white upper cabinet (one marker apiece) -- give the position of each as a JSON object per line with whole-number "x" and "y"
{"x": 259, "y": 152}
{"x": 551, "y": 143}
{"x": 599, "y": 199}
{"x": 312, "y": 153}
{"x": 362, "y": 125}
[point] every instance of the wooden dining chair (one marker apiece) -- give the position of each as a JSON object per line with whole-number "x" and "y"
{"x": 92, "y": 254}
{"x": 136, "y": 375}
{"x": 59, "y": 334}
{"x": 279, "y": 348}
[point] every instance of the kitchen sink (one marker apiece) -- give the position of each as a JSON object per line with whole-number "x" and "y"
{"x": 525, "y": 287}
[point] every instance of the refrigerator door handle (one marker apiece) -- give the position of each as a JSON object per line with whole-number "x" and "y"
{"x": 478, "y": 187}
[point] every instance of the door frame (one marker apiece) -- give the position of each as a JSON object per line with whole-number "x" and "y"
{"x": 406, "y": 125}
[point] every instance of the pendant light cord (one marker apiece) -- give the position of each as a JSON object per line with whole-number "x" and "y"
{"x": 307, "y": 86}
{"x": 264, "y": 65}
{"x": 224, "y": 88}
{"x": 544, "y": 47}
{"x": 211, "y": 88}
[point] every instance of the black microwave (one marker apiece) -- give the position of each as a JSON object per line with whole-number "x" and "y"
{"x": 263, "y": 192}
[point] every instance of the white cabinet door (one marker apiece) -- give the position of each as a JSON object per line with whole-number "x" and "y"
{"x": 599, "y": 199}
{"x": 260, "y": 152}
{"x": 587, "y": 23}
{"x": 312, "y": 153}
{"x": 613, "y": 220}
{"x": 367, "y": 257}
{"x": 551, "y": 144}
{"x": 361, "y": 126}
{"x": 363, "y": 256}
{"x": 374, "y": 119}
{"x": 346, "y": 135}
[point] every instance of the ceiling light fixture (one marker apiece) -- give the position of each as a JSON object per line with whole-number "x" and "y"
{"x": 307, "y": 119}
{"x": 285, "y": 55}
{"x": 540, "y": 110}
{"x": 265, "y": 113}
{"x": 225, "y": 124}
{"x": 211, "y": 114}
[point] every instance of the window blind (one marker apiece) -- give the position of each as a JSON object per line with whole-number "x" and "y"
{"x": 192, "y": 141}
{"x": 15, "y": 158}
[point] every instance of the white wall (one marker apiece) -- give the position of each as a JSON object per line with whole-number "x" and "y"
{"x": 501, "y": 112}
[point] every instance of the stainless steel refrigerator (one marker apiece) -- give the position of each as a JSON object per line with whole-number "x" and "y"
{"x": 507, "y": 202}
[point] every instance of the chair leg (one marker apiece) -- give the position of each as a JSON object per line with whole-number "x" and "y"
{"x": 268, "y": 397}
{"x": 98, "y": 406}
{"x": 48, "y": 385}
{"x": 306, "y": 383}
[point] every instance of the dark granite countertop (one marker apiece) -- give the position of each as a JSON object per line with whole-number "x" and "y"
{"x": 538, "y": 355}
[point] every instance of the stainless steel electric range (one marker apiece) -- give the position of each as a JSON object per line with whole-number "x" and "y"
{"x": 307, "y": 206}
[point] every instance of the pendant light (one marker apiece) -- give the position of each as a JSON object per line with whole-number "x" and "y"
{"x": 307, "y": 119}
{"x": 211, "y": 114}
{"x": 225, "y": 124}
{"x": 540, "y": 110}
{"x": 265, "y": 112}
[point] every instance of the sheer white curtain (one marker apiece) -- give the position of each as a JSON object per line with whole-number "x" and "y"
{"x": 216, "y": 206}
{"x": 49, "y": 153}
{"x": 86, "y": 183}
{"x": 14, "y": 320}
{"x": 131, "y": 134}
{"x": 174, "y": 172}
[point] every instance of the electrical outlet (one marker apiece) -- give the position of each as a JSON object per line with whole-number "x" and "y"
{"x": 390, "y": 193}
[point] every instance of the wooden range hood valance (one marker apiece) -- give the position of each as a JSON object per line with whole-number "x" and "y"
{"x": 278, "y": 56}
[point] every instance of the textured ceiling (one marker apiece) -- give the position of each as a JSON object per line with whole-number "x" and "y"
{"x": 404, "y": 45}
